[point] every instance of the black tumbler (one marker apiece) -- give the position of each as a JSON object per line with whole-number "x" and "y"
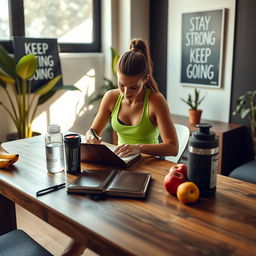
{"x": 72, "y": 153}
{"x": 203, "y": 159}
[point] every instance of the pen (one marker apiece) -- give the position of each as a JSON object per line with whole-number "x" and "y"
{"x": 50, "y": 189}
{"x": 94, "y": 134}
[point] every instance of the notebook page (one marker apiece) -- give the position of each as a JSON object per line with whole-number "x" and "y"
{"x": 126, "y": 159}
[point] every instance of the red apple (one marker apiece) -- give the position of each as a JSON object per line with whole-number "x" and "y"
{"x": 172, "y": 180}
{"x": 182, "y": 168}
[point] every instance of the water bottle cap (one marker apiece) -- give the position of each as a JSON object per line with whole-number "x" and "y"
{"x": 53, "y": 128}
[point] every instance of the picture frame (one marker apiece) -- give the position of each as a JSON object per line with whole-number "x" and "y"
{"x": 202, "y": 48}
{"x": 47, "y": 52}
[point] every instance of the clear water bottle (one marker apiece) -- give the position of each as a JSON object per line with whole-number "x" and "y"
{"x": 54, "y": 149}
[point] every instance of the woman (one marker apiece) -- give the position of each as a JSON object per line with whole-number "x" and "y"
{"x": 138, "y": 113}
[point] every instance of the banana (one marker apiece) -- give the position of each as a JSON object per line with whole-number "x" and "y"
{"x": 4, "y": 163}
{"x": 5, "y": 155}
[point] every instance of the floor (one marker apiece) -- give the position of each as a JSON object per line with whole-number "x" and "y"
{"x": 49, "y": 237}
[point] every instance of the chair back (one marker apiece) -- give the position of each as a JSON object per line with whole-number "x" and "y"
{"x": 183, "y": 136}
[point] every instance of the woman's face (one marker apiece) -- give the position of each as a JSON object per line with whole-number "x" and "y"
{"x": 130, "y": 86}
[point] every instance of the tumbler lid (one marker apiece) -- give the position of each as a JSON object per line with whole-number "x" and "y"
{"x": 72, "y": 138}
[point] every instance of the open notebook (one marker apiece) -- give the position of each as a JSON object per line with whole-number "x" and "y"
{"x": 104, "y": 154}
{"x": 120, "y": 183}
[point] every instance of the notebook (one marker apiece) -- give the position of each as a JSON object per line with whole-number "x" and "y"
{"x": 120, "y": 183}
{"x": 104, "y": 154}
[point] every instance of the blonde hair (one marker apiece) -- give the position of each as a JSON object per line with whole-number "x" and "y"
{"x": 137, "y": 61}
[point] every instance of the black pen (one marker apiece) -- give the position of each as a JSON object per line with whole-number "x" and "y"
{"x": 94, "y": 134}
{"x": 50, "y": 189}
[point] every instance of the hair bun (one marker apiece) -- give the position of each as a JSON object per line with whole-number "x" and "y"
{"x": 137, "y": 45}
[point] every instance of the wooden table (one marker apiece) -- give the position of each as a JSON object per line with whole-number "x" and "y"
{"x": 157, "y": 226}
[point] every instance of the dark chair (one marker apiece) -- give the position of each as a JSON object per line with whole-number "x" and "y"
{"x": 18, "y": 243}
{"x": 245, "y": 167}
{"x": 246, "y": 172}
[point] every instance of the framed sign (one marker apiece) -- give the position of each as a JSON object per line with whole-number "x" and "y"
{"x": 47, "y": 53}
{"x": 202, "y": 44}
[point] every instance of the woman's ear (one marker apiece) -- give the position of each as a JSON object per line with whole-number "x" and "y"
{"x": 146, "y": 79}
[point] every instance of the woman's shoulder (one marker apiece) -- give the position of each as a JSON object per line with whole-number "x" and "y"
{"x": 157, "y": 102}
{"x": 155, "y": 97}
{"x": 112, "y": 94}
{"x": 110, "y": 98}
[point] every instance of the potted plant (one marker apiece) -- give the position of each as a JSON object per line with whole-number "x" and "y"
{"x": 193, "y": 103}
{"x": 246, "y": 107}
{"x": 16, "y": 85}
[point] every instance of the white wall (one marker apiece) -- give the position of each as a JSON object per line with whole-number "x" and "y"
{"x": 217, "y": 103}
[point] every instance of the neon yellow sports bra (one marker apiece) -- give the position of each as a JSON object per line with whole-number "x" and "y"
{"x": 142, "y": 133}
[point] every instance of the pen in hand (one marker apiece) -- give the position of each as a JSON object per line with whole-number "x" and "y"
{"x": 50, "y": 189}
{"x": 94, "y": 134}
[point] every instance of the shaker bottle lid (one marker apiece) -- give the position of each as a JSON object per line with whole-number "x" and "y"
{"x": 204, "y": 132}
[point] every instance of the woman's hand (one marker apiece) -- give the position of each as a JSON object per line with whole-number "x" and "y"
{"x": 91, "y": 138}
{"x": 127, "y": 150}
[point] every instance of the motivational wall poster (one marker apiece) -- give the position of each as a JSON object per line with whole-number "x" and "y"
{"x": 202, "y": 43}
{"x": 47, "y": 53}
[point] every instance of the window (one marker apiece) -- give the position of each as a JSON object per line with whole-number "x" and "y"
{"x": 4, "y": 20}
{"x": 76, "y": 24}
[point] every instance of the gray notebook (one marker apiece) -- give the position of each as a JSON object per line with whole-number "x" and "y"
{"x": 112, "y": 183}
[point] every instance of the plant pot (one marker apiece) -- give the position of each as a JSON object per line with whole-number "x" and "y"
{"x": 14, "y": 135}
{"x": 194, "y": 116}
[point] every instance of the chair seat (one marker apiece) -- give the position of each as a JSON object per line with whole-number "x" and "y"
{"x": 246, "y": 172}
{"x": 18, "y": 243}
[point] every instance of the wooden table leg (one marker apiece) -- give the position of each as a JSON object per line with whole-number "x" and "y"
{"x": 7, "y": 215}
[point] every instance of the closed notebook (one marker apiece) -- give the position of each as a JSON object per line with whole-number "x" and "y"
{"x": 112, "y": 183}
{"x": 104, "y": 154}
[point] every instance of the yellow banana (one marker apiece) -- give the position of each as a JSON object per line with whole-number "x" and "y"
{"x": 4, "y": 163}
{"x": 8, "y": 156}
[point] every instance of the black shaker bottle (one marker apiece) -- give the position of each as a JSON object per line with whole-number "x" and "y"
{"x": 203, "y": 159}
{"x": 72, "y": 153}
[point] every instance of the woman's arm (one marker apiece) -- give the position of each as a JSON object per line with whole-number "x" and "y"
{"x": 160, "y": 116}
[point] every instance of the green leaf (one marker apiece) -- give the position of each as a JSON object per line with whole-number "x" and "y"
{"x": 48, "y": 87}
{"x": 245, "y": 112}
{"x": 7, "y": 62}
{"x": 115, "y": 58}
{"x": 7, "y": 79}
{"x": 67, "y": 88}
{"x": 26, "y": 66}
{"x": 43, "y": 98}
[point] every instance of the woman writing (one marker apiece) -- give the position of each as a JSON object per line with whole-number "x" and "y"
{"x": 138, "y": 113}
